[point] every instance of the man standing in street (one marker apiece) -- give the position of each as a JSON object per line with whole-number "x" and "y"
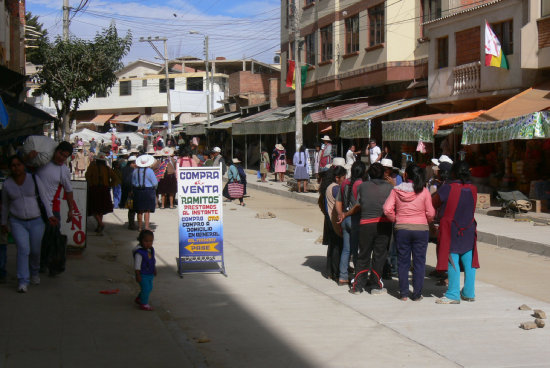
{"x": 218, "y": 159}
{"x": 374, "y": 152}
{"x": 326, "y": 154}
{"x": 128, "y": 144}
{"x": 93, "y": 145}
{"x": 350, "y": 155}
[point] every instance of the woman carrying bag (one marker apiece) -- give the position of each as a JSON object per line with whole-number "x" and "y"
{"x": 234, "y": 189}
{"x": 26, "y": 212}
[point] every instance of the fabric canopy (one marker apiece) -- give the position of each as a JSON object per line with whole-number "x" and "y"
{"x": 120, "y": 118}
{"x": 101, "y": 119}
{"x": 527, "y": 102}
{"x": 355, "y": 129}
{"x": 265, "y": 127}
{"x": 530, "y": 126}
{"x": 408, "y": 131}
{"x": 195, "y": 129}
{"x": 440, "y": 120}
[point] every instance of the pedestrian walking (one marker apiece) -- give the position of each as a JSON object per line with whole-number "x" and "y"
{"x": 168, "y": 183}
{"x": 126, "y": 198}
{"x": 145, "y": 267}
{"x": 264, "y": 164}
{"x": 410, "y": 207}
{"x": 218, "y": 160}
{"x": 234, "y": 188}
{"x": 300, "y": 161}
{"x": 81, "y": 162}
{"x": 316, "y": 160}
{"x": 374, "y": 232}
{"x": 128, "y": 143}
{"x": 280, "y": 162}
{"x": 25, "y": 208}
{"x": 144, "y": 186}
{"x": 456, "y": 200}
{"x": 101, "y": 178}
{"x": 325, "y": 159}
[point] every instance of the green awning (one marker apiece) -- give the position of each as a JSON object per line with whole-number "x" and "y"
{"x": 530, "y": 126}
{"x": 408, "y": 131}
{"x": 355, "y": 129}
{"x": 265, "y": 127}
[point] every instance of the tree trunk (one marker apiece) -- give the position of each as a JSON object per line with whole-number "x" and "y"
{"x": 66, "y": 126}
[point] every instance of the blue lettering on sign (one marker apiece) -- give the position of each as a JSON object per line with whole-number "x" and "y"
{"x": 200, "y": 189}
{"x": 198, "y": 175}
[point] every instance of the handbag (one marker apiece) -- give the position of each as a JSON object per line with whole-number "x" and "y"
{"x": 43, "y": 212}
{"x": 130, "y": 201}
{"x": 235, "y": 190}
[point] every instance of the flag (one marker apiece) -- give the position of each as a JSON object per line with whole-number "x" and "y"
{"x": 4, "y": 118}
{"x": 291, "y": 74}
{"x": 493, "y": 51}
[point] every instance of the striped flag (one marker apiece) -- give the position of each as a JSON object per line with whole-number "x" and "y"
{"x": 493, "y": 51}
{"x": 291, "y": 74}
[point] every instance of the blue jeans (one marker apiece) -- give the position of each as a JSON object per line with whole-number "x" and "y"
{"x": 415, "y": 243}
{"x": 3, "y": 259}
{"x": 350, "y": 235}
{"x": 453, "y": 291}
{"x": 146, "y": 288}
{"x": 117, "y": 193}
{"x": 28, "y": 239}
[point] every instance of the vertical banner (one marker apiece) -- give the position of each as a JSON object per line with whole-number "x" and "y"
{"x": 200, "y": 217}
{"x": 76, "y": 229}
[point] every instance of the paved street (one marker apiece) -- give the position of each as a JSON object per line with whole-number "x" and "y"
{"x": 274, "y": 308}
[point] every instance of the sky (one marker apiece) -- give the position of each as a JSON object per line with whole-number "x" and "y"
{"x": 236, "y": 28}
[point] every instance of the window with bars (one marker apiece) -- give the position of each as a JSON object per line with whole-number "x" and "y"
{"x": 376, "y": 25}
{"x": 162, "y": 84}
{"x": 352, "y": 34}
{"x": 125, "y": 88}
{"x": 144, "y": 83}
{"x": 311, "y": 49}
{"x": 442, "y": 52}
{"x": 431, "y": 9}
{"x": 101, "y": 94}
{"x": 505, "y": 34}
{"x": 326, "y": 43}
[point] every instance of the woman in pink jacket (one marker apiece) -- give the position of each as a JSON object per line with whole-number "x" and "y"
{"x": 410, "y": 207}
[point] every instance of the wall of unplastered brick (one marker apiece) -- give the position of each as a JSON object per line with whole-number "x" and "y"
{"x": 468, "y": 44}
{"x": 246, "y": 81}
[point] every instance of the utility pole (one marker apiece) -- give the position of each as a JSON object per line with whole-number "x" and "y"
{"x": 66, "y": 20}
{"x": 298, "y": 71}
{"x": 167, "y": 74}
{"x": 208, "y": 90}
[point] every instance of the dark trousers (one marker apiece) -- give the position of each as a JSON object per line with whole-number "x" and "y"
{"x": 415, "y": 243}
{"x": 373, "y": 250}
{"x": 334, "y": 251}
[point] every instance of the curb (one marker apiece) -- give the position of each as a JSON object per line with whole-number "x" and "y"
{"x": 484, "y": 237}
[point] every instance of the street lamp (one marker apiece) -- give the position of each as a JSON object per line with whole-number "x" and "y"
{"x": 209, "y": 86}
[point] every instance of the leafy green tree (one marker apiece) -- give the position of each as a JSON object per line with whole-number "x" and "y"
{"x": 33, "y": 32}
{"x": 74, "y": 70}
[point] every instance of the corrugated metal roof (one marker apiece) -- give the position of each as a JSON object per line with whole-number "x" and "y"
{"x": 388, "y": 108}
{"x": 337, "y": 113}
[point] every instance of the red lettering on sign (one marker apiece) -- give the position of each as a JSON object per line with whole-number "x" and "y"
{"x": 79, "y": 237}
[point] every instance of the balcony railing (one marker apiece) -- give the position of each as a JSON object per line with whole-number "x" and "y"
{"x": 466, "y": 78}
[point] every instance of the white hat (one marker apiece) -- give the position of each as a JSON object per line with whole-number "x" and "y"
{"x": 167, "y": 151}
{"x": 145, "y": 161}
{"x": 131, "y": 158}
{"x": 386, "y": 162}
{"x": 151, "y": 151}
{"x": 279, "y": 146}
{"x": 443, "y": 158}
{"x": 236, "y": 161}
{"x": 123, "y": 151}
{"x": 216, "y": 149}
{"x": 326, "y": 138}
{"x": 339, "y": 161}
{"x": 101, "y": 156}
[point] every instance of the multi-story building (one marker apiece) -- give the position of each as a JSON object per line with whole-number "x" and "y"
{"x": 370, "y": 48}
{"x": 458, "y": 78}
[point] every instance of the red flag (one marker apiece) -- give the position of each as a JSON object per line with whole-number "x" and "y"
{"x": 290, "y": 73}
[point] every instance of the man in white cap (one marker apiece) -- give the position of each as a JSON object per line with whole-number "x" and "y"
{"x": 390, "y": 174}
{"x": 218, "y": 159}
{"x": 326, "y": 154}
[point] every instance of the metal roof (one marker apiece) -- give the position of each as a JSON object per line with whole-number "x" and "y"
{"x": 454, "y": 14}
{"x": 337, "y": 113}
{"x": 388, "y": 108}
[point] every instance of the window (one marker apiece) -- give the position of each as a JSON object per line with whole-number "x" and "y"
{"x": 352, "y": 34}
{"x": 431, "y": 9}
{"x": 289, "y": 13}
{"x": 326, "y": 43}
{"x": 442, "y": 52}
{"x": 309, "y": 2}
{"x": 311, "y": 50}
{"x": 101, "y": 94}
{"x": 376, "y": 25}
{"x": 162, "y": 84}
{"x": 194, "y": 84}
{"x": 144, "y": 83}
{"x": 468, "y": 46}
{"x": 545, "y": 8}
{"x": 505, "y": 33}
{"x": 125, "y": 88}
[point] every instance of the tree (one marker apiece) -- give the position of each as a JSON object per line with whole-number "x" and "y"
{"x": 74, "y": 70}
{"x": 34, "y": 30}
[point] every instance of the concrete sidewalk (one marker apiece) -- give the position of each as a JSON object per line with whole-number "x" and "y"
{"x": 527, "y": 236}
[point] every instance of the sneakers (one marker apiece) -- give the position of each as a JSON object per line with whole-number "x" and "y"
{"x": 378, "y": 291}
{"x": 146, "y": 307}
{"x": 35, "y": 280}
{"x": 417, "y": 299}
{"x": 467, "y": 299}
{"x": 446, "y": 300}
{"x": 22, "y": 288}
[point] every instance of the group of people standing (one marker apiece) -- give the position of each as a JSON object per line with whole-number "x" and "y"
{"x": 377, "y": 213}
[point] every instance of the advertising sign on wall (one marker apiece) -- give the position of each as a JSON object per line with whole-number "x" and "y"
{"x": 200, "y": 220}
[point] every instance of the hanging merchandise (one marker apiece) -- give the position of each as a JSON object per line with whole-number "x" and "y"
{"x": 421, "y": 147}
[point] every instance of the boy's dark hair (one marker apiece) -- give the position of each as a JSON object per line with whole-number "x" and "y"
{"x": 461, "y": 171}
{"x": 376, "y": 171}
{"x": 143, "y": 233}
{"x": 65, "y": 147}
